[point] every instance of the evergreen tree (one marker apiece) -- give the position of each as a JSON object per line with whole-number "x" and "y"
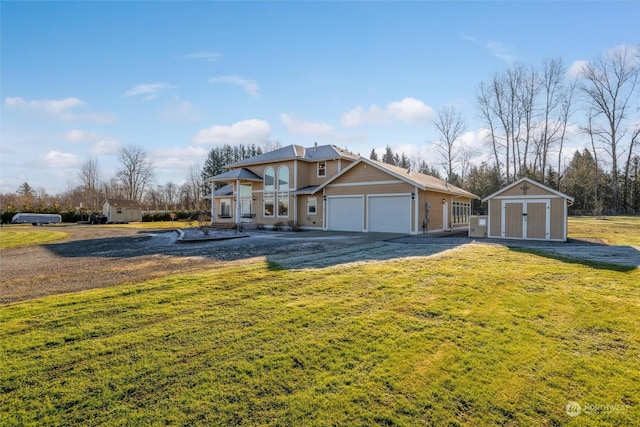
{"x": 388, "y": 156}
{"x": 373, "y": 155}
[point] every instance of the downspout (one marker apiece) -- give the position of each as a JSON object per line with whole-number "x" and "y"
{"x": 213, "y": 202}
{"x": 416, "y": 204}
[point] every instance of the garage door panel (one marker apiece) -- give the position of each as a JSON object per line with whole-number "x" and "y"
{"x": 389, "y": 214}
{"x": 345, "y": 213}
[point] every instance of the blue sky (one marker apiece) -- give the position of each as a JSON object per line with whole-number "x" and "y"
{"x": 82, "y": 79}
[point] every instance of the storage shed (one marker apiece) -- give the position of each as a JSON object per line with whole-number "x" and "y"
{"x": 528, "y": 210}
{"x": 122, "y": 210}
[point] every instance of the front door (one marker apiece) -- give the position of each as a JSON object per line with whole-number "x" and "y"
{"x": 246, "y": 203}
{"x": 445, "y": 216}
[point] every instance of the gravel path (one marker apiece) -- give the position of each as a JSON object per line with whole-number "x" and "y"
{"x": 95, "y": 257}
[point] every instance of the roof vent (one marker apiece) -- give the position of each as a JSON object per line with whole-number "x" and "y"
{"x": 315, "y": 146}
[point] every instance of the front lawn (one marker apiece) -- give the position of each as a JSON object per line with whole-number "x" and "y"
{"x": 480, "y": 335}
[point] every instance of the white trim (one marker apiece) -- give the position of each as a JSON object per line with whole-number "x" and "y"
{"x": 416, "y": 212}
{"x": 523, "y": 197}
{"x": 353, "y": 184}
{"x": 318, "y": 169}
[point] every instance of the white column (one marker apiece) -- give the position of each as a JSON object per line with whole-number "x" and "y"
{"x": 213, "y": 201}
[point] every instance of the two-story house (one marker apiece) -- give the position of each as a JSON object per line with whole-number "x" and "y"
{"x": 329, "y": 188}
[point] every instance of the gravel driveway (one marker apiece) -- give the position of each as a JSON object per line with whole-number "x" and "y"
{"x": 94, "y": 257}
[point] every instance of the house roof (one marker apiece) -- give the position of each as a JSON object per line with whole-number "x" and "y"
{"x": 293, "y": 152}
{"x": 124, "y": 203}
{"x": 530, "y": 181}
{"x": 420, "y": 180}
{"x": 234, "y": 174}
{"x": 305, "y": 190}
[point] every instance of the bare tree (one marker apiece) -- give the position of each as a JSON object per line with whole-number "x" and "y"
{"x": 451, "y": 126}
{"x": 609, "y": 85}
{"x": 270, "y": 145}
{"x": 90, "y": 178}
{"x": 136, "y": 172}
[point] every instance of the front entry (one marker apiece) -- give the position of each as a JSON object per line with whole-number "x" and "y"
{"x": 246, "y": 203}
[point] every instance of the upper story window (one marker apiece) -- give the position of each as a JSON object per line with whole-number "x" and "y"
{"x": 322, "y": 169}
{"x": 269, "y": 179}
{"x": 283, "y": 178}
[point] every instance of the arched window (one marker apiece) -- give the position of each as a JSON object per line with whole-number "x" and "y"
{"x": 283, "y": 178}
{"x": 269, "y": 179}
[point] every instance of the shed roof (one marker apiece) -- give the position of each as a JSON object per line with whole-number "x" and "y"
{"x": 532, "y": 182}
{"x": 124, "y": 203}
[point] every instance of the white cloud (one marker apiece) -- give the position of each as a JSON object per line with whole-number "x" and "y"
{"x": 409, "y": 110}
{"x": 245, "y": 132}
{"x": 495, "y": 48}
{"x": 207, "y": 56}
{"x": 58, "y": 159}
{"x": 59, "y": 109}
{"x": 179, "y": 157}
{"x": 179, "y": 110}
{"x": 249, "y": 86}
{"x": 148, "y": 90}
{"x": 576, "y": 68}
{"x": 79, "y": 135}
{"x": 106, "y": 146}
{"x": 303, "y": 127}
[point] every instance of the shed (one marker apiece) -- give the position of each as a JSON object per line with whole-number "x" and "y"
{"x": 122, "y": 210}
{"x": 528, "y": 210}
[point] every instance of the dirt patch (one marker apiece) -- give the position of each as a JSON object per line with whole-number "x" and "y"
{"x": 95, "y": 257}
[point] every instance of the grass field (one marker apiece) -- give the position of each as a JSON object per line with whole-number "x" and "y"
{"x": 614, "y": 230}
{"x": 481, "y": 335}
{"x": 13, "y": 237}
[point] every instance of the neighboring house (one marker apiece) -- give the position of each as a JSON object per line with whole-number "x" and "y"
{"x": 528, "y": 210}
{"x": 122, "y": 210}
{"x": 328, "y": 188}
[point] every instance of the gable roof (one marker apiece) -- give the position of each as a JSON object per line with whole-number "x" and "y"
{"x": 530, "y": 181}
{"x": 293, "y": 152}
{"x": 420, "y": 180}
{"x": 124, "y": 203}
{"x": 233, "y": 174}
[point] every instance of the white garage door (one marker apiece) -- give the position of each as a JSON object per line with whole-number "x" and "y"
{"x": 389, "y": 214}
{"x": 345, "y": 213}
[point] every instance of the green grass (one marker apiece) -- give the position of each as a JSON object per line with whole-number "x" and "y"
{"x": 613, "y": 230}
{"x": 12, "y": 237}
{"x": 477, "y": 336}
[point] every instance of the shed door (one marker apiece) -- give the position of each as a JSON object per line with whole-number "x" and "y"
{"x": 526, "y": 219}
{"x": 512, "y": 215}
{"x": 345, "y": 213}
{"x": 389, "y": 214}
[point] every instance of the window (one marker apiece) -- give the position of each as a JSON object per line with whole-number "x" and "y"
{"x": 312, "y": 206}
{"x": 119, "y": 210}
{"x": 322, "y": 169}
{"x": 283, "y": 178}
{"x": 268, "y": 208}
{"x": 269, "y": 179}
{"x": 225, "y": 208}
{"x": 461, "y": 212}
{"x": 283, "y": 207}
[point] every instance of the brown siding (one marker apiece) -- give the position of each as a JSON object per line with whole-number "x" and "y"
{"x": 304, "y": 218}
{"x": 513, "y": 220}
